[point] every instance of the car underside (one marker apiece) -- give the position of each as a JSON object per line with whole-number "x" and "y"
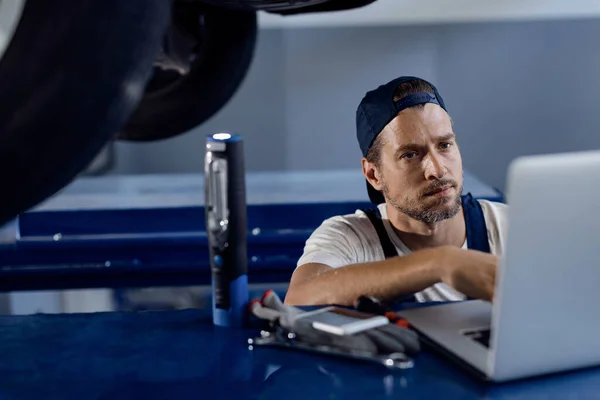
{"x": 78, "y": 75}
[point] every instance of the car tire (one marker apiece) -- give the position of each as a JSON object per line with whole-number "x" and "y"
{"x": 70, "y": 77}
{"x": 174, "y": 104}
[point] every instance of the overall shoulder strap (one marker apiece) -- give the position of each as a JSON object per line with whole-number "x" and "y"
{"x": 388, "y": 247}
{"x": 477, "y": 237}
{"x": 389, "y": 250}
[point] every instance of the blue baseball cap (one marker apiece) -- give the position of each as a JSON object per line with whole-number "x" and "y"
{"x": 378, "y": 108}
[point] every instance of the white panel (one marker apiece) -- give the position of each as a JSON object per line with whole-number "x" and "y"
{"x": 87, "y": 300}
{"x": 398, "y": 12}
{"x": 24, "y": 303}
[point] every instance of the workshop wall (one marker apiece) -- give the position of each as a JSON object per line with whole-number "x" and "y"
{"x": 512, "y": 88}
{"x": 328, "y": 72}
{"x": 521, "y": 88}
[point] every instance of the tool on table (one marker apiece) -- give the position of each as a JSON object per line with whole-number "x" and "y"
{"x": 375, "y": 306}
{"x": 225, "y": 209}
{"x": 291, "y": 327}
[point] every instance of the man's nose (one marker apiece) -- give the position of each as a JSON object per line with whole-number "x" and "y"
{"x": 434, "y": 167}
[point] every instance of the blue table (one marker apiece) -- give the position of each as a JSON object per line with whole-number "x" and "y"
{"x": 181, "y": 355}
{"x": 149, "y": 230}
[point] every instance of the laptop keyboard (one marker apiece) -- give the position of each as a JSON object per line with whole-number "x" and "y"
{"x": 480, "y": 335}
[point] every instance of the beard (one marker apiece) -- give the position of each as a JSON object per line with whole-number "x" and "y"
{"x": 428, "y": 209}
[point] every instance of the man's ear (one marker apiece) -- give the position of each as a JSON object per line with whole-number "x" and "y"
{"x": 371, "y": 173}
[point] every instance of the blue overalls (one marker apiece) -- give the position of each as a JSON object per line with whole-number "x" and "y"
{"x": 477, "y": 237}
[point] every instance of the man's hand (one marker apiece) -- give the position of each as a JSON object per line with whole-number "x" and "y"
{"x": 471, "y": 272}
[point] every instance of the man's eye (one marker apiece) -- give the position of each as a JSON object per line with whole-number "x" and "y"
{"x": 445, "y": 145}
{"x": 410, "y": 155}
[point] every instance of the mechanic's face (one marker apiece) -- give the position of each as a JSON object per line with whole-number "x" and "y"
{"x": 420, "y": 172}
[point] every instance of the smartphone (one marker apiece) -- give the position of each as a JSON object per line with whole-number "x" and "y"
{"x": 342, "y": 321}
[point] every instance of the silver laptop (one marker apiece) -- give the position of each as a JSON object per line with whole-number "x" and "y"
{"x": 546, "y": 314}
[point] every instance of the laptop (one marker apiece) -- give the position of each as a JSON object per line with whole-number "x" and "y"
{"x": 545, "y": 317}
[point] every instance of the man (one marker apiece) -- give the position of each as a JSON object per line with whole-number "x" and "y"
{"x": 428, "y": 240}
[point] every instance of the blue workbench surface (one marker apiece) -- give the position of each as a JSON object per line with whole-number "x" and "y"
{"x": 181, "y": 355}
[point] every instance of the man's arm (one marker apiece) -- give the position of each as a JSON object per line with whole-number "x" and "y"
{"x": 468, "y": 271}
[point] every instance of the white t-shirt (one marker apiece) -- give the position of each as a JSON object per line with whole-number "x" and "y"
{"x": 351, "y": 239}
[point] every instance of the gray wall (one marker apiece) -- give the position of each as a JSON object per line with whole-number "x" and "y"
{"x": 328, "y": 71}
{"x": 520, "y": 89}
{"x": 512, "y": 89}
